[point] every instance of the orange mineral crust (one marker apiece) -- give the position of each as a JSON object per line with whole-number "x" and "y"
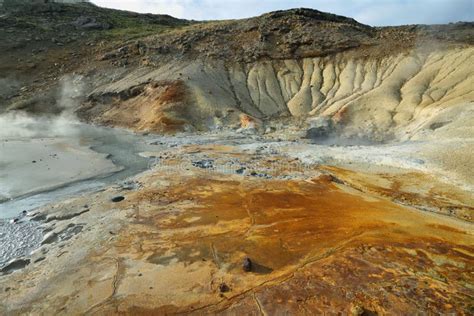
{"x": 196, "y": 236}
{"x": 314, "y": 248}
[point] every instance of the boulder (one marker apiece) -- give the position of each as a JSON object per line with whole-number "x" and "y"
{"x": 85, "y": 22}
{"x": 247, "y": 265}
{"x": 320, "y": 127}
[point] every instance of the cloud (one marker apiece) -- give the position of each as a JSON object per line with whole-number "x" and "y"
{"x": 372, "y": 12}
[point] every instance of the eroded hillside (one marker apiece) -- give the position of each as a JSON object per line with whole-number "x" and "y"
{"x": 281, "y": 64}
{"x": 392, "y": 97}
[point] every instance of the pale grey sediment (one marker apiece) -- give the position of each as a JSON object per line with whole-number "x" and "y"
{"x": 120, "y": 147}
{"x": 18, "y": 239}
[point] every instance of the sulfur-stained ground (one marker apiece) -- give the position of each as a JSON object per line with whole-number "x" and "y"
{"x": 320, "y": 239}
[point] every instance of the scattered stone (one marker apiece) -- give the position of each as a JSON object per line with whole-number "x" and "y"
{"x": 260, "y": 175}
{"x": 204, "y": 164}
{"x": 117, "y": 199}
{"x": 240, "y": 171}
{"x": 224, "y": 288}
{"x": 247, "y": 265}
{"x": 320, "y": 127}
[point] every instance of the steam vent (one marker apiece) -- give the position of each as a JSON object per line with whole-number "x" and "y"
{"x": 294, "y": 163}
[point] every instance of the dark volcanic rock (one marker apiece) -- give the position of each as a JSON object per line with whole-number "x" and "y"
{"x": 320, "y": 127}
{"x": 117, "y": 199}
{"x": 204, "y": 164}
{"x": 85, "y": 22}
{"x": 14, "y": 265}
{"x": 223, "y": 288}
{"x": 247, "y": 265}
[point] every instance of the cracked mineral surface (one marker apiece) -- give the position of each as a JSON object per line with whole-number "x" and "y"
{"x": 320, "y": 239}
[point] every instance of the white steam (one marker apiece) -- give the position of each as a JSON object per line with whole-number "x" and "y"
{"x": 16, "y": 124}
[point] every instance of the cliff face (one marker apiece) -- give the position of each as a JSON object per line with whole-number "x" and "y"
{"x": 328, "y": 77}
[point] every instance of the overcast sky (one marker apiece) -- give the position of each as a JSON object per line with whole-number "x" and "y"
{"x": 372, "y": 12}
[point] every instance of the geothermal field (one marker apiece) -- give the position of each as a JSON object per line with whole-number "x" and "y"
{"x": 295, "y": 163}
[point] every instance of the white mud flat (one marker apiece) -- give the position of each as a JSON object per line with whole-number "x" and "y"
{"x": 37, "y": 171}
{"x": 37, "y": 165}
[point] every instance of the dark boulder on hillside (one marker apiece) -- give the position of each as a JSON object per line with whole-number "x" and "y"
{"x": 86, "y": 22}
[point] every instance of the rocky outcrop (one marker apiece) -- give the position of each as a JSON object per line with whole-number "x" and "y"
{"x": 88, "y": 23}
{"x": 297, "y": 34}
